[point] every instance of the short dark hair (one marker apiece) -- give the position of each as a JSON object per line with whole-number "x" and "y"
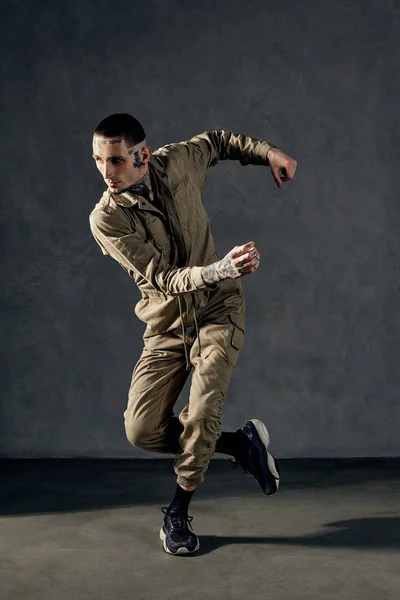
{"x": 121, "y": 125}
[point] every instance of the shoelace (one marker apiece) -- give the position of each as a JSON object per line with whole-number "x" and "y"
{"x": 179, "y": 519}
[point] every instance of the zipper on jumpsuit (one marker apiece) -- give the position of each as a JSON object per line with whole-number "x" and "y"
{"x": 188, "y": 365}
{"x": 171, "y": 230}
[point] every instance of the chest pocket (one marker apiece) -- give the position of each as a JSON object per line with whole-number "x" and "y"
{"x": 157, "y": 234}
{"x": 191, "y": 210}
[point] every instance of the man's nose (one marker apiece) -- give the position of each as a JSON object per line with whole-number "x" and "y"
{"x": 108, "y": 171}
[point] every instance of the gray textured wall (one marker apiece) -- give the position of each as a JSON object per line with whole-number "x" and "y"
{"x": 319, "y": 79}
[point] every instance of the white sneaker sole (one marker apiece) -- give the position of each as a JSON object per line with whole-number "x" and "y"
{"x": 264, "y": 435}
{"x": 182, "y": 550}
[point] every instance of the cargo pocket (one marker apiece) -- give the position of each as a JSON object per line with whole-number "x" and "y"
{"x": 236, "y": 339}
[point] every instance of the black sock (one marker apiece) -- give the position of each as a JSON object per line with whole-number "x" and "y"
{"x": 235, "y": 443}
{"x": 181, "y": 499}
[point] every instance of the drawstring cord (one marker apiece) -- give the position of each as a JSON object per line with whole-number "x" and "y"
{"x": 197, "y": 331}
{"x": 188, "y": 366}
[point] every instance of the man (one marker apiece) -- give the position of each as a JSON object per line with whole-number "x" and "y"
{"x": 152, "y": 222}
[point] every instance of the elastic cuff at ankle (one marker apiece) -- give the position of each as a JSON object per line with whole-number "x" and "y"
{"x": 187, "y": 483}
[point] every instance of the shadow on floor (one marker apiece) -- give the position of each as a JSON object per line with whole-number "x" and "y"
{"x": 54, "y": 485}
{"x": 373, "y": 534}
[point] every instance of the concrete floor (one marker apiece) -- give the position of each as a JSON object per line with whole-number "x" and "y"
{"x": 77, "y": 530}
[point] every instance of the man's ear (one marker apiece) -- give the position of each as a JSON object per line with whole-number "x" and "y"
{"x": 146, "y": 153}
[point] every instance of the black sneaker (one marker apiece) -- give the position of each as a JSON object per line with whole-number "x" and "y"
{"x": 175, "y": 534}
{"x": 257, "y": 461}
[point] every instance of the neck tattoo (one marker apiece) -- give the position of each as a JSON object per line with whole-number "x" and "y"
{"x": 141, "y": 187}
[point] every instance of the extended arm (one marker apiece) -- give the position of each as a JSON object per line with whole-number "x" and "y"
{"x": 207, "y": 149}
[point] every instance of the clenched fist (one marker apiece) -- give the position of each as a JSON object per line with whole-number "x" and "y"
{"x": 283, "y": 167}
{"x": 240, "y": 261}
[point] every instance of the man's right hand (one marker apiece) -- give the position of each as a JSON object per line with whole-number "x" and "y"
{"x": 240, "y": 261}
{"x": 283, "y": 167}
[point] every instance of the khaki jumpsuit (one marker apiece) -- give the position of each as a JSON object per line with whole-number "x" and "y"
{"x": 189, "y": 326}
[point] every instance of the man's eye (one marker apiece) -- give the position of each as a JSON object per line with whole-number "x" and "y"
{"x": 116, "y": 161}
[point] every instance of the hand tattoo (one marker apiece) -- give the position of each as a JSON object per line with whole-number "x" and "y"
{"x": 219, "y": 271}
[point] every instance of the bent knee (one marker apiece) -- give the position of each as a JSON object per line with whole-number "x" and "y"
{"x": 136, "y": 435}
{"x": 139, "y": 432}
